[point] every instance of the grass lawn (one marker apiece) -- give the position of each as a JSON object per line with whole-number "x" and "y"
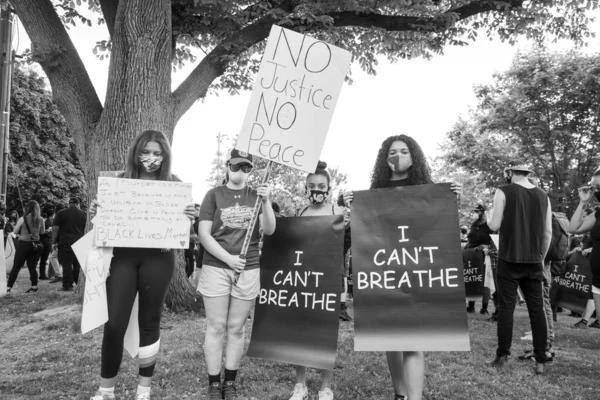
{"x": 44, "y": 356}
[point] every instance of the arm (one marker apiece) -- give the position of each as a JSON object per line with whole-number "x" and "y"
{"x": 55, "y": 229}
{"x": 17, "y": 229}
{"x": 42, "y": 229}
{"x": 267, "y": 217}
{"x": 547, "y": 230}
{"x": 578, "y": 224}
{"x": 498, "y": 212}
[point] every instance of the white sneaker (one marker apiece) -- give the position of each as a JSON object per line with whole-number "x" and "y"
{"x": 300, "y": 392}
{"x": 325, "y": 394}
{"x": 142, "y": 396}
{"x": 100, "y": 396}
{"x": 528, "y": 336}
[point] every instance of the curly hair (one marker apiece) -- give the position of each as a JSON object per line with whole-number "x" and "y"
{"x": 418, "y": 174}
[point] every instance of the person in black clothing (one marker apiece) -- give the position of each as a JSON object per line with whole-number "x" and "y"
{"x": 479, "y": 237}
{"x": 3, "y": 220}
{"x": 522, "y": 214}
{"x": 591, "y": 224}
{"x": 46, "y": 239}
{"x": 70, "y": 225}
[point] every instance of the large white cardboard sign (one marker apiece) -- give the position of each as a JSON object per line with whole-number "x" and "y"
{"x": 295, "y": 93}
{"x": 142, "y": 213}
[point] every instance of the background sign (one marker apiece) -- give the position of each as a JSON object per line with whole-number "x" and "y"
{"x": 296, "y": 319}
{"x": 408, "y": 276}
{"x": 142, "y": 213}
{"x": 575, "y": 284}
{"x": 295, "y": 93}
{"x": 473, "y": 272}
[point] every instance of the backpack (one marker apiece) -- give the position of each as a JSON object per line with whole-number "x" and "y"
{"x": 559, "y": 245}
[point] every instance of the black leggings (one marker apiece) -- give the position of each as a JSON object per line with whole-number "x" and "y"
{"x": 24, "y": 254}
{"x": 132, "y": 270}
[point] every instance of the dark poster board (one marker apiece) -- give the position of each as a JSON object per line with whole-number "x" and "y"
{"x": 575, "y": 284}
{"x": 473, "y": 272}
{"x": 296, "y": 319}
{"x": 408, "y": 276}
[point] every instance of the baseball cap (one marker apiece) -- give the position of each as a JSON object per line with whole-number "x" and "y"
{"x": 236, "y": 156}
{"x": 518, "y": 167}
{"x": 73, "y": 200}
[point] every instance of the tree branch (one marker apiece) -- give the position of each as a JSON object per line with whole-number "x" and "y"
{"x": 109, "y": 10}
{"x": 53, "y": 49}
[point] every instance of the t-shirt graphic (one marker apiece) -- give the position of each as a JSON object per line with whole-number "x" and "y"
{"x": 236, "y": 217}
{"x": 230, "y": 212}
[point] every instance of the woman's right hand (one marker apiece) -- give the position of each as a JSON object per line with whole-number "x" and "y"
{"x": 94, "y": 208}
{"x": 585, "y": 194}
{"x": 348, "y": 196}
{"x": 236, "y": 263}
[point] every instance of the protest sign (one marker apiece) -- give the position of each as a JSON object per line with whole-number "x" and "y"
{"x": 142, "y": 213}
{"x": 294, "y": 96}
{"x": 9, "y": 253}
{"x": 473, "y": 273}
{"x": 408, "y": 277}
{"x": 297, "y": 312}
{"x": 575, "y": 284}
{"x": 3, "y": 272}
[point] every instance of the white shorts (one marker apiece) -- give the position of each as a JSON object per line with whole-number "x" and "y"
{"x": 595, "y": 290}
{"x": 216, "y": 282}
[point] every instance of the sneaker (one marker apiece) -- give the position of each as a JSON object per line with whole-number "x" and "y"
{"x": 229, "y": 390}
{"x": 56, "y": 279}
{"x": 528, "y": 336}
{"x": 300, "y": 392}
{"x": 527, "y": 356}
{"x": 499, "y": 361}
{"x": 400, "y": 397}
{"x": 100, "y": 396}
{"x": 65, "y": 289}
{"x": 596, "y": 324}
{"x": 484, "y": 312}
{"x": 582, "y": 324}
{"x": 325, "y": 394}
{"x": 470, "y": 310}
{"x": 215, "y": 391}
{"x": 344, "y": 316}
{"x": 142, "y": 396}
{"x": 43, "y": 278}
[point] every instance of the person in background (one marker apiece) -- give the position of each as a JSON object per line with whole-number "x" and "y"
{"x": 585, "y": 248}
{"x": 67, "y": 228}
{"x": 29, "y": 228}
{"x": 3, "y": 220}
{"x": 479, "y": 237}
{"x": 523, "y": 216}
{"x": 464, "y": 231}
{"x": 48, "y": 216}
{"x": 401, "y": 162}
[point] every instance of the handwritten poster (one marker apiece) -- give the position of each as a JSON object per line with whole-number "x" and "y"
{"x": 142, "y": 213}
{"x": 575, "y": 285}
{"x": 295, "y": 93}
{"x": 297, "y": 312}
{"x": 10, "y": 250}
{"x": 409, "y": 290}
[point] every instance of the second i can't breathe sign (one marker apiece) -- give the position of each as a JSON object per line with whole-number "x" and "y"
{"x": 295, "y": 93}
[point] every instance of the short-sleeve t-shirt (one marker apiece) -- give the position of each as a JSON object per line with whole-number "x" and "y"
{"x": 71, "y": 223}
{"x": 230, "y": 212}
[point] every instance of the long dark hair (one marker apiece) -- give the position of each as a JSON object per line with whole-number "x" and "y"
{"x": 418, "y": 174}
{"x": 32, "y": 213}
{"x": 133, "y": 168}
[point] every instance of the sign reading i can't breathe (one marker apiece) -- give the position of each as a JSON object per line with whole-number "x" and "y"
{"x": 142, "y": 213}
{"x": 575, "y": 285}
{"x": 295, "y": 93}
{"x": 409, "y": 290}
{"x": 297, "y": 311}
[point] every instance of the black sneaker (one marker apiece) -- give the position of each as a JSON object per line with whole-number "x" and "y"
{"x": 527, "y": 356}
{"x": 344, "y": 316}
{"x": 56, "y": 279}
{"x": 596, "y": 324}
{"x": 470, "y": 310}
{"x": 583, "y": 324}
{"x": 499, "y": 361}
{"x": 400, "y": 397}
{"x": 484, "y": 312}
{"x": 215, "y": 391}
{"x": 229, "y": 390}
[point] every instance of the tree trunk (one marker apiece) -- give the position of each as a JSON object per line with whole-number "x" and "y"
{"x": 182, "y": 296}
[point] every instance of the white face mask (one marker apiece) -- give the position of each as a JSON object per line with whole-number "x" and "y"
{"x": 151, "y": 163}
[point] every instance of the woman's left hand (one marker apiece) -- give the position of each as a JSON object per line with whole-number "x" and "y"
{"x": 190, "y": 211}
{"x": 264, "y": 191}
{"x": 456, "y": 188}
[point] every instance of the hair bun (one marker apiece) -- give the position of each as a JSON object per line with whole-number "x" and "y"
{"x": 321, "y": 165}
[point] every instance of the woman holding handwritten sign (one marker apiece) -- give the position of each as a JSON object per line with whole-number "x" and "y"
{"x": 146, "y": 272}
{"x": 225, "y": 216}
{"x": 401, "y": 162}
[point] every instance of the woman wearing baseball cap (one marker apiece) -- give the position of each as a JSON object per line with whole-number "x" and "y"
{"x": 225, "y": 216}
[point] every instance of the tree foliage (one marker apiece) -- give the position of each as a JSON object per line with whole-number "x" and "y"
{"x": 43, "y": 161}
{"x": 543, "y": 111}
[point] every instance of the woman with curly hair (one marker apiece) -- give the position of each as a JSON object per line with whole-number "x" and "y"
{"x": 401, "y": 162}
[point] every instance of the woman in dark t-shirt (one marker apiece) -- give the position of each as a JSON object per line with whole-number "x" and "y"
{"x": 401, "y": 162}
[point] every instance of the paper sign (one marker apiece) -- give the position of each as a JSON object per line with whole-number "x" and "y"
{"x": 3, "y": 282}
{"x": 9, "y": 253}
{"x": 575, "y": 285}
{"x": 142, "y": 213}
{"x": 409, "y": 290}
{"x": 297, "y": 312}
{"x": 496, "y": 240}
{"x": 295, "y": 93}
{"x": 473, "y": 273}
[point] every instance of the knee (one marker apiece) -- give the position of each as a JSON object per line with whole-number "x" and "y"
{"x": 235, "y": 331}
{"x": 215, "y": 328}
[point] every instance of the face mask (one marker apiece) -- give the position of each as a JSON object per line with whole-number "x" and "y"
{"x": 318, "y": 196}
{"x": 398, "y": 165}
{"x": 151, "y": 163}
